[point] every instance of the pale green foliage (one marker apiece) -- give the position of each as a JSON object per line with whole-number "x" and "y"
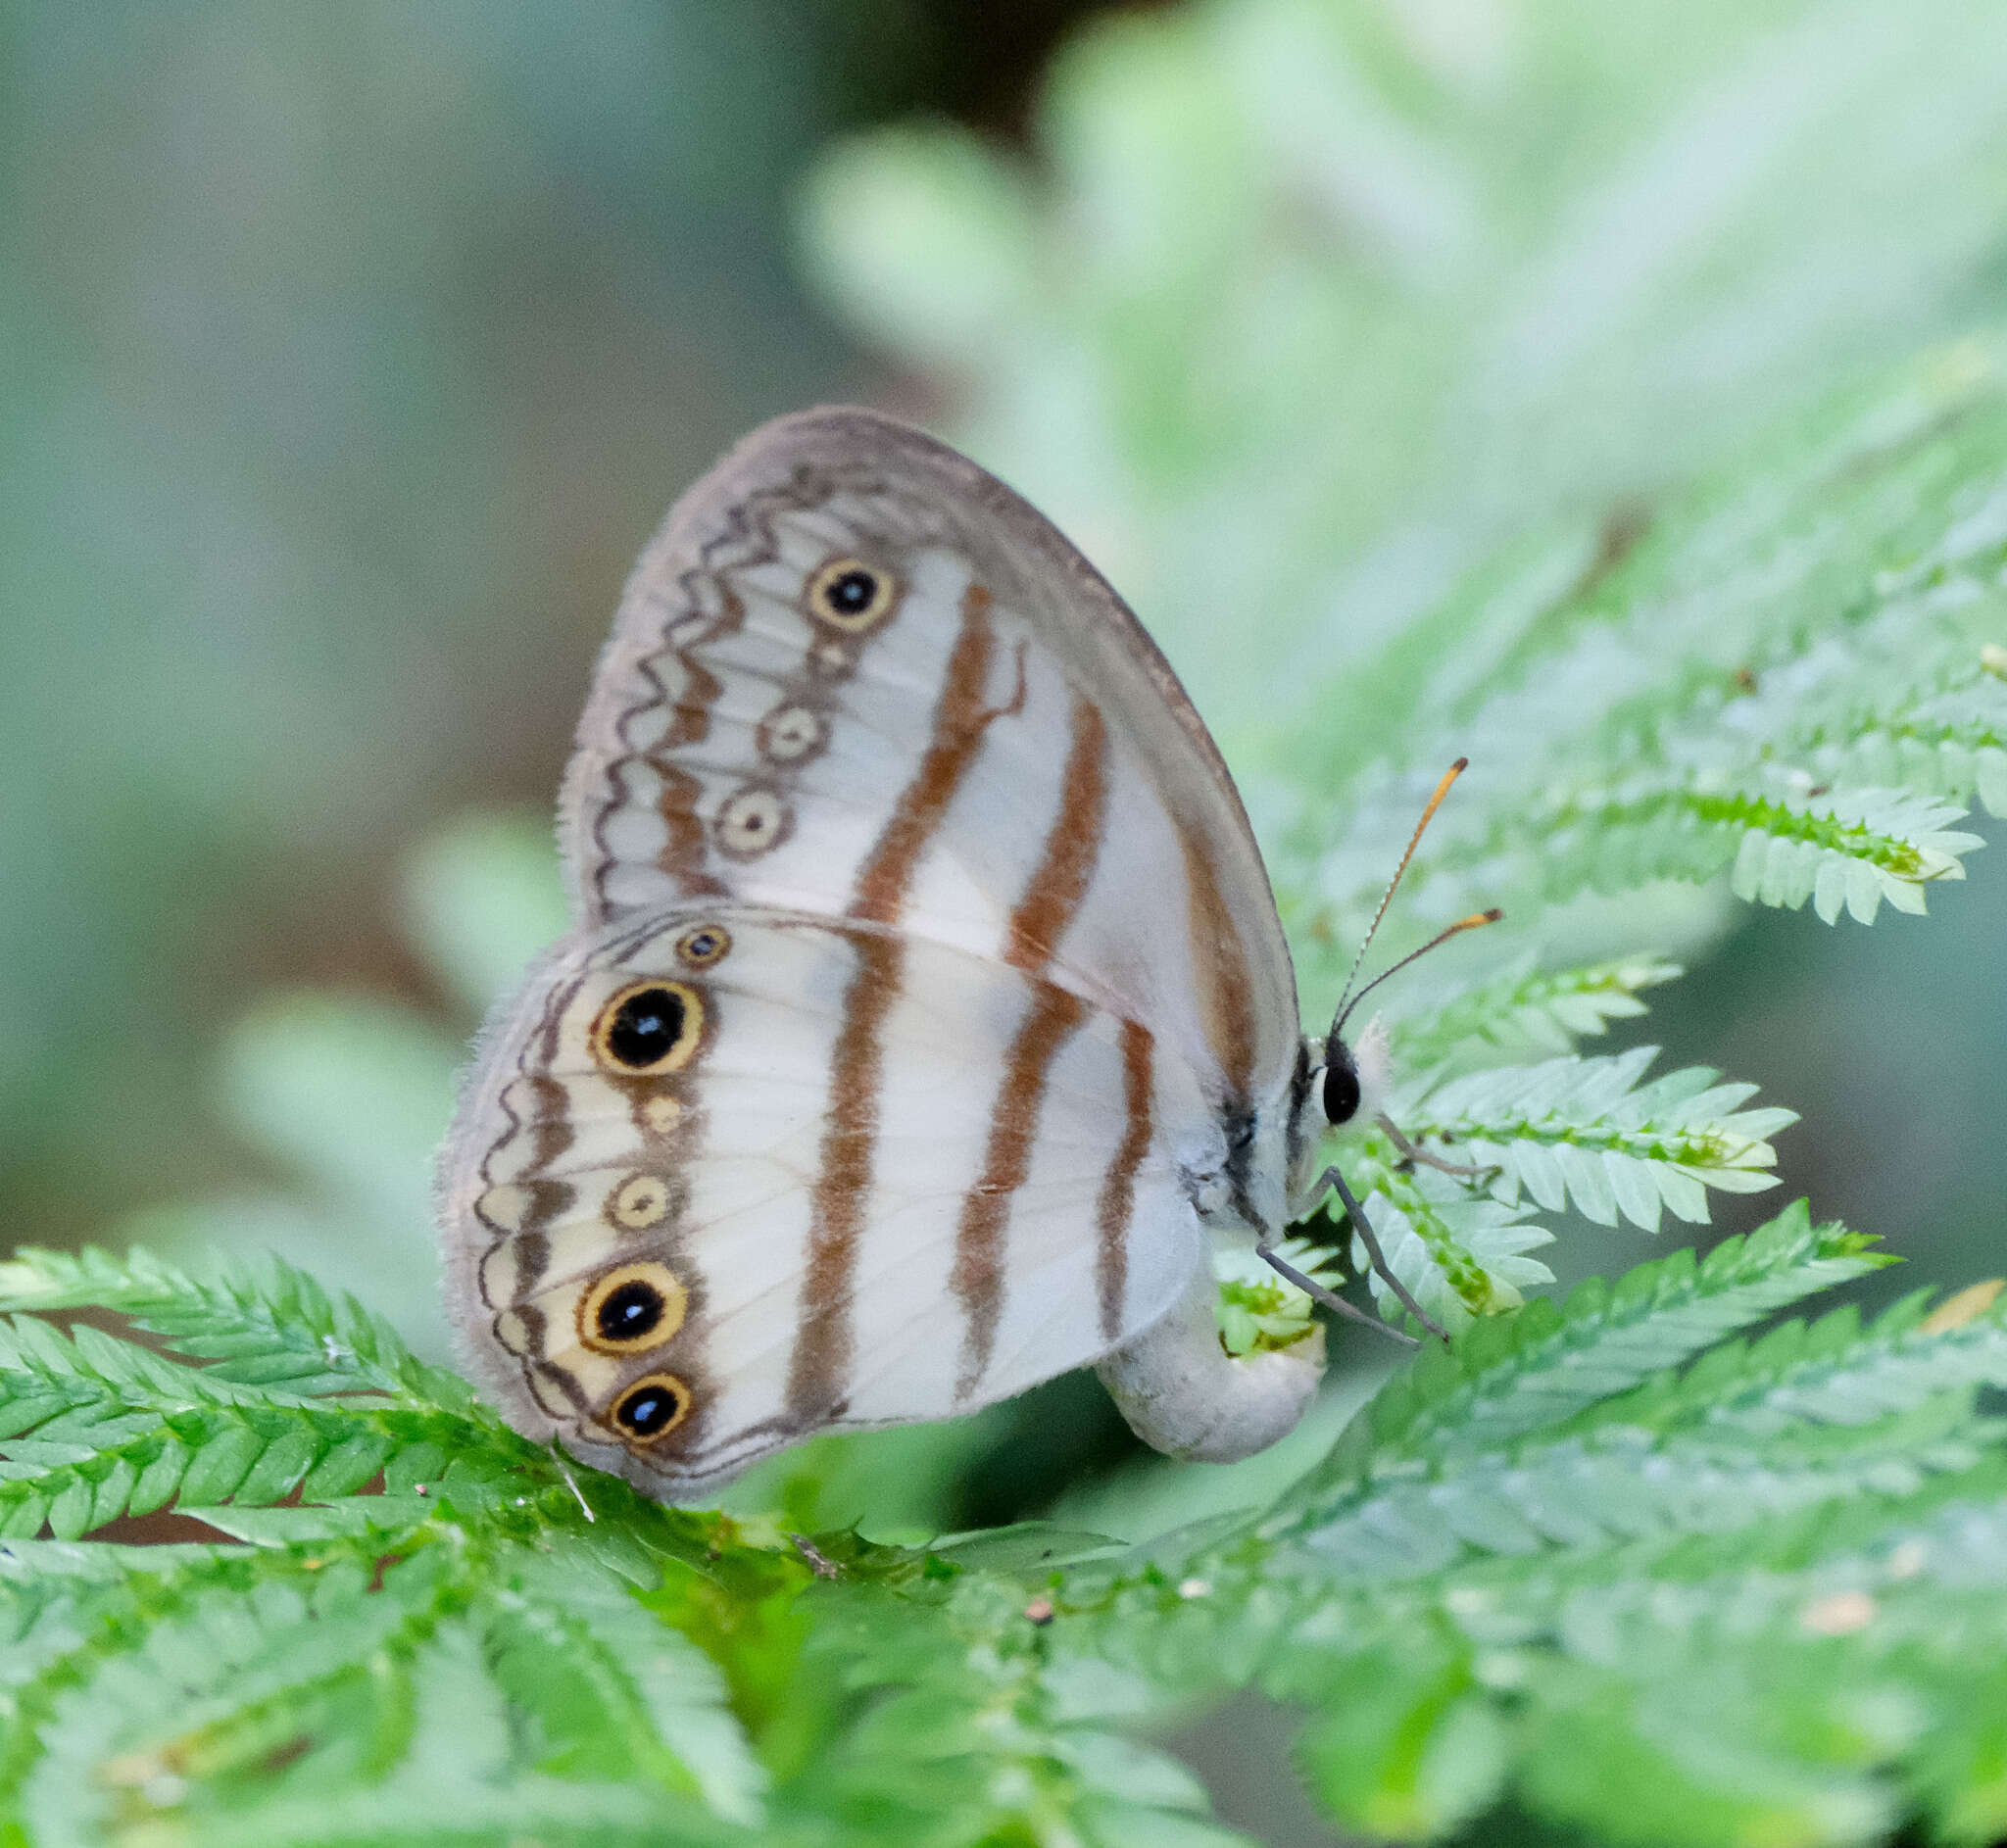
{"x": 1590, "y": 1129}
{"x": 1764, "y": 1577}
{"x": 1526, "y": 1010}
{"x": 1524, "y": 388}
{"x": 1779, "y": 676}
{"x": 1259, "y": 1309}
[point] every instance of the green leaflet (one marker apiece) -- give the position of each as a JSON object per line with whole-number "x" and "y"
{"x": 1765, "y": 1575}
{"x": 271, "y": 1325}
{"x": 1313, "y": 317}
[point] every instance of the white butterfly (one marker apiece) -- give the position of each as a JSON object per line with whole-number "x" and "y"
{"x": 927, "y": 1016}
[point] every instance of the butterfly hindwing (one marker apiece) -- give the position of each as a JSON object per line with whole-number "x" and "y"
{"x": 704, "y": 1202}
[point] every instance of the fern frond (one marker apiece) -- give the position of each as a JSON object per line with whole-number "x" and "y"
{"x": 1458, "y": 1254}
{"x": 90, "y": 1463}
{"x": 663, "y": 1698}
{"x": 93, "y": 1428}
{"x": 1512, "y": 1376}
{"x": 1527, "y": 1010}
{"x": 1756, "y": 1576}
{"x": 1812, "y": 1413}
{"x": 1786, "y": 678}
{"x": 273, "y": 1327}
{"x": 1259, "y": 1310}
{"x": 1587, "y": 1131}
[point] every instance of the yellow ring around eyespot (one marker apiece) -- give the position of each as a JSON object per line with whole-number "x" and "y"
{"x": 675, "y": 1301}
{"x": 884, "y": 594}
{"x": 661, "y": 1382}
{"x": 676, "y": 1057}
{"x": 722, "y": 947}
{"x": 640, "y": 1202}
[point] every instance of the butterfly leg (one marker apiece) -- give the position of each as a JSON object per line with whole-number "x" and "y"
{"x": 1462, "y": 1170}
{"x": 1319, "y": 1293}
{"x": 1332, "y": 1179}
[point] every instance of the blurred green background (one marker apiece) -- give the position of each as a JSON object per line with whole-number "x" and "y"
{"x": 348, "y": 355}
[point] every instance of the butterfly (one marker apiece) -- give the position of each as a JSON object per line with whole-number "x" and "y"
{"x": 927, "y": 1016}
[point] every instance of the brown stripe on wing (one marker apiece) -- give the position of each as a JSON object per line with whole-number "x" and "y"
{"x": 819, "y": 1367}
{"x": 1118, "y": 1203}
{"x": 819, "y": 1364}
{"x": 978, "y": 1274}
{"x": 1219, "y": 962}
{"x": 1071, "y": 848}
{"x": 960, "y": 721}
{"x": 1065, "y": 869}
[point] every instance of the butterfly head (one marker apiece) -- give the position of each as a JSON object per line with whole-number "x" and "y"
{"x": 1351, "y": 1081}
{"x": 1339, "y": 1083}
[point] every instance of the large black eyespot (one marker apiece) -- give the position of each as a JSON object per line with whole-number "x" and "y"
{"x": 1341, "y": 1084}
{"x": 651, "y": 1407}
{"x": 851, "y": 593}
{"x": 649, "y": 1027}
{"x": 632, "y": 1307}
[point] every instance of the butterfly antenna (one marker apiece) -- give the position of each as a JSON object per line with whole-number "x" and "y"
{"x": 1449, "y": 776}
{"x": 1476, "y": 921}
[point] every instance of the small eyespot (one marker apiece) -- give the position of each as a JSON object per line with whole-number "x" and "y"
{"x": 640, "y": 1202}
{"x": 852, "y": 595}
{"x": 1341, "y": 1085}
{"x": 790, "y": 733}
{"x": 632, "y": 1307}
{"x": 752, "y": 821}
{"x": 648, "y": 1028}
{"x": 653, "y": 1407}
{"x": 698, "y": 949}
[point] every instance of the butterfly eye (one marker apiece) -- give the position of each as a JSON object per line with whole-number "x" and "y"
{"x": 648, "y": 1028}
{"x": 1341, "y": 1085}
{"x": 851, "y": 593}
{"x": 636, "y": 1306}
{"x": 700, "y": 947}
{"x": 653, "y": 1407}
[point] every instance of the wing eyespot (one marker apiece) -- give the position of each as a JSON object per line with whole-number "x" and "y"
{"x": 706, "y": 945}
{"x": 852, "y": 596}
{"x": 753, "y": 821}
{"x": 641, "y": 1202}
{"x": 651, "y": 1408}
{"x": 648, "y": 1028}
{"x": 791, "y": 733}
{"x": 632, "y": 1307}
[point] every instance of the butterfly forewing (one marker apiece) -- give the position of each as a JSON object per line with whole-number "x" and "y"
{"x": 911, "y": 758}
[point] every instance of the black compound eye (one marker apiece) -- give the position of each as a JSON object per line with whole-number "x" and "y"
{"x": 651, "y": 1027}
{"x": 851, "y": 593}
{"x": 653, "y": 1406}
{"x": 1341, "y": 1085}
